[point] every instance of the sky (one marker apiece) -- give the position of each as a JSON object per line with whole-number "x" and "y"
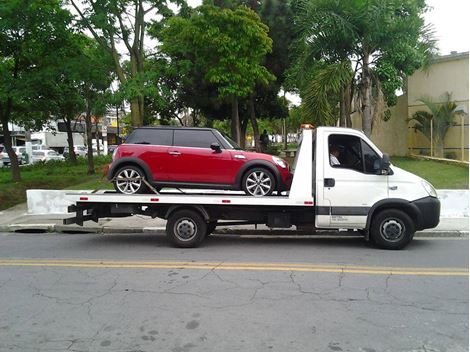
{"x": 450, "y": 21}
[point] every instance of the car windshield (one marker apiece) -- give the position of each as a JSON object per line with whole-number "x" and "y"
{"x": 231, "y": 142}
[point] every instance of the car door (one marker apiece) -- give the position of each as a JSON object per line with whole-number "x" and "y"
{"x": 151, "y": 146}
{"x": 193, "y": 160}
{"x": 351, "y": 187}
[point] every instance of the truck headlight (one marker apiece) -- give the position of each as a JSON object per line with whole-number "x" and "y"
{"x": 429, "y": 189}
{"x": 279, "y": 162}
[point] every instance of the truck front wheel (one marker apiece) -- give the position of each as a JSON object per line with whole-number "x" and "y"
{"x": 186, "y": 228}
{"x": 392, "y": 229}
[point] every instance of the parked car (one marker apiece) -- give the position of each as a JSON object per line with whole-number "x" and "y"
{"x": 111, "y": 148}
{"x": 46, "y": 155}
{"x": 40, "y": 147}
{"x": 20, "y": 152}
{"x": 3, "y": 155}
{"x": 80, "y": 150}
{"x": 194, "y": 158}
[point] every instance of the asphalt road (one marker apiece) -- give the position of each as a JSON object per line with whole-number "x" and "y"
{"x": 133, "y": 292}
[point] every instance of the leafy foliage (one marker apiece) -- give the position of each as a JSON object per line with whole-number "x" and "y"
{"x": 385, "y": 40}
{"x": 442, "y": 116}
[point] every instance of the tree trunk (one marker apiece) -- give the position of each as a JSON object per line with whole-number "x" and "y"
{"x": 135, "y": 113}
{"x": 243, "y": 127}
{"x": 68, "y": 127}
{"x": 97, "y": 137}
{"x": 254, "y": 124}
{"x": 15, "y": 168}
{"x": 89, "y": 137}
{"x": 365, "y": 96}
{"x": 137, "y": 103}
{"x": 438, "y": 147}
{"x": 235, "y": 121}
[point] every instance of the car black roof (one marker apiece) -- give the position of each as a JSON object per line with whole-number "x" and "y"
{"x": 175, "y": 128}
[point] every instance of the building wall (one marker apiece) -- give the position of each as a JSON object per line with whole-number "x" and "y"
{"x": 446, "y": 74}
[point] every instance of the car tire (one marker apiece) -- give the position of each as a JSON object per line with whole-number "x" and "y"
{"x": 186, "y": 228}
{"x": 129, "y": 187}
{"x": 392, "y": 229}
{"x": 259, "y": 182}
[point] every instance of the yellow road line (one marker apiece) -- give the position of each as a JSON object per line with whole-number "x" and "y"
{"x": 321, "y": 268}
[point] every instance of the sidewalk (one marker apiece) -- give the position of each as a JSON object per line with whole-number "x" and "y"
{"x": 16, "y": 219}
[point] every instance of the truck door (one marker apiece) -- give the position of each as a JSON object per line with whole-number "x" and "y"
{"x": 351, "y": 180}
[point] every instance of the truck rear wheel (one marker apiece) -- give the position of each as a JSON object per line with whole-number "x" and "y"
{"x": 186, "y": 228}
{"x": 392, "y": 229}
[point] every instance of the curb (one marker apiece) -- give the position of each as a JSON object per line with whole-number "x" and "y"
{"x": 75, "y": 229}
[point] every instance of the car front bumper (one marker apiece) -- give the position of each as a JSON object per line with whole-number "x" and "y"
{"x": 429, "y": 212}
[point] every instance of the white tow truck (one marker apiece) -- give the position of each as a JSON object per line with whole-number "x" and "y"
{"x": 341, "y": 181}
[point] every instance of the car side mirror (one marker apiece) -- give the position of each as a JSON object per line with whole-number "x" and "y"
{"x": 384, "y": 164}
{"x": 216, "y": 147}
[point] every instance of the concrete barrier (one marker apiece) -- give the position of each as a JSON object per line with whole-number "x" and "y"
{"x": 47, "y": 201}
{"x": 454, "y": 203}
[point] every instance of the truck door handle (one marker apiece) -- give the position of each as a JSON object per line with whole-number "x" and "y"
{"x": 393, "y": 188}
{"x": 329, "y": 182}
{"x": 174, "y": 153}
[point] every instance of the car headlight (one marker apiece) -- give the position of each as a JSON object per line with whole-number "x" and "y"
{"x": 279, "y": 162}
{"x": 429, "y": 189}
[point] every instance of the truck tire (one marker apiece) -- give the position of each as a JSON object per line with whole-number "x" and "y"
{"x": 258, "y": 182}
{"x": 129, "y": 187}
{"x": 392, "y": 229}
{"x": 186, "y": 228}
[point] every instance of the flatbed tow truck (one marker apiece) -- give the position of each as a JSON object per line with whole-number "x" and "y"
{"x": 363, "y": 193}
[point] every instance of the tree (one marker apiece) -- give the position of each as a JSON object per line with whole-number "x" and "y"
{"x": 126, "y": 21}
{"x": 441, "y": 115}
{"x": 33, "y": 34}
{"x": 278, "y": 16}
{"x": 96, "y": 70}
{"x": 227, "y": 46}
{"x": 384, "y": 41}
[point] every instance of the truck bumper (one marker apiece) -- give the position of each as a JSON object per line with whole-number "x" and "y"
{"x": 429, "y": 212}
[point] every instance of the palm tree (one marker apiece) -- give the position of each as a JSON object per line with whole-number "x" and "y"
{"x": 441, "y": 115}
{"x": 329, "y": 85}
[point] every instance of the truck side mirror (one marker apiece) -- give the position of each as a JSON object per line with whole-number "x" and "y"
{"x": 216, "y": 147}
{"x": 385, "y": 164}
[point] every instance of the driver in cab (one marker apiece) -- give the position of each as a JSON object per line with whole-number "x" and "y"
{"x": 334, "y": 155}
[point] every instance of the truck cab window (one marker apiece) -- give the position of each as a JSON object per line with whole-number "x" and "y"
{"x": 345, "y": 152}
{"x": 371, "y": 159}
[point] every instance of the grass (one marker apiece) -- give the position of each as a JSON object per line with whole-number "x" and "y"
{"x": 441, "y": 175}
{"x": 53, "y": 175}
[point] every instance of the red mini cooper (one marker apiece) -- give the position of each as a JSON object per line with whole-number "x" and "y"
{"x": 186, "y": 157}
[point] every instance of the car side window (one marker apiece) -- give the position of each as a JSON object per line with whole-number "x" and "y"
{"x": 153, "y": 136}
{"x": 194, "y": 138}
{"x": 371, "y": 159}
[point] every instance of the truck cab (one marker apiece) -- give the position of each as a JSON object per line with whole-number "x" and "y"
{"x": 354, "y": 186}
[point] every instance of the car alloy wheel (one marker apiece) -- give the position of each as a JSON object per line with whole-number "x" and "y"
{"x": 259, "y": 183}
{"x": 128, "y": 181}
